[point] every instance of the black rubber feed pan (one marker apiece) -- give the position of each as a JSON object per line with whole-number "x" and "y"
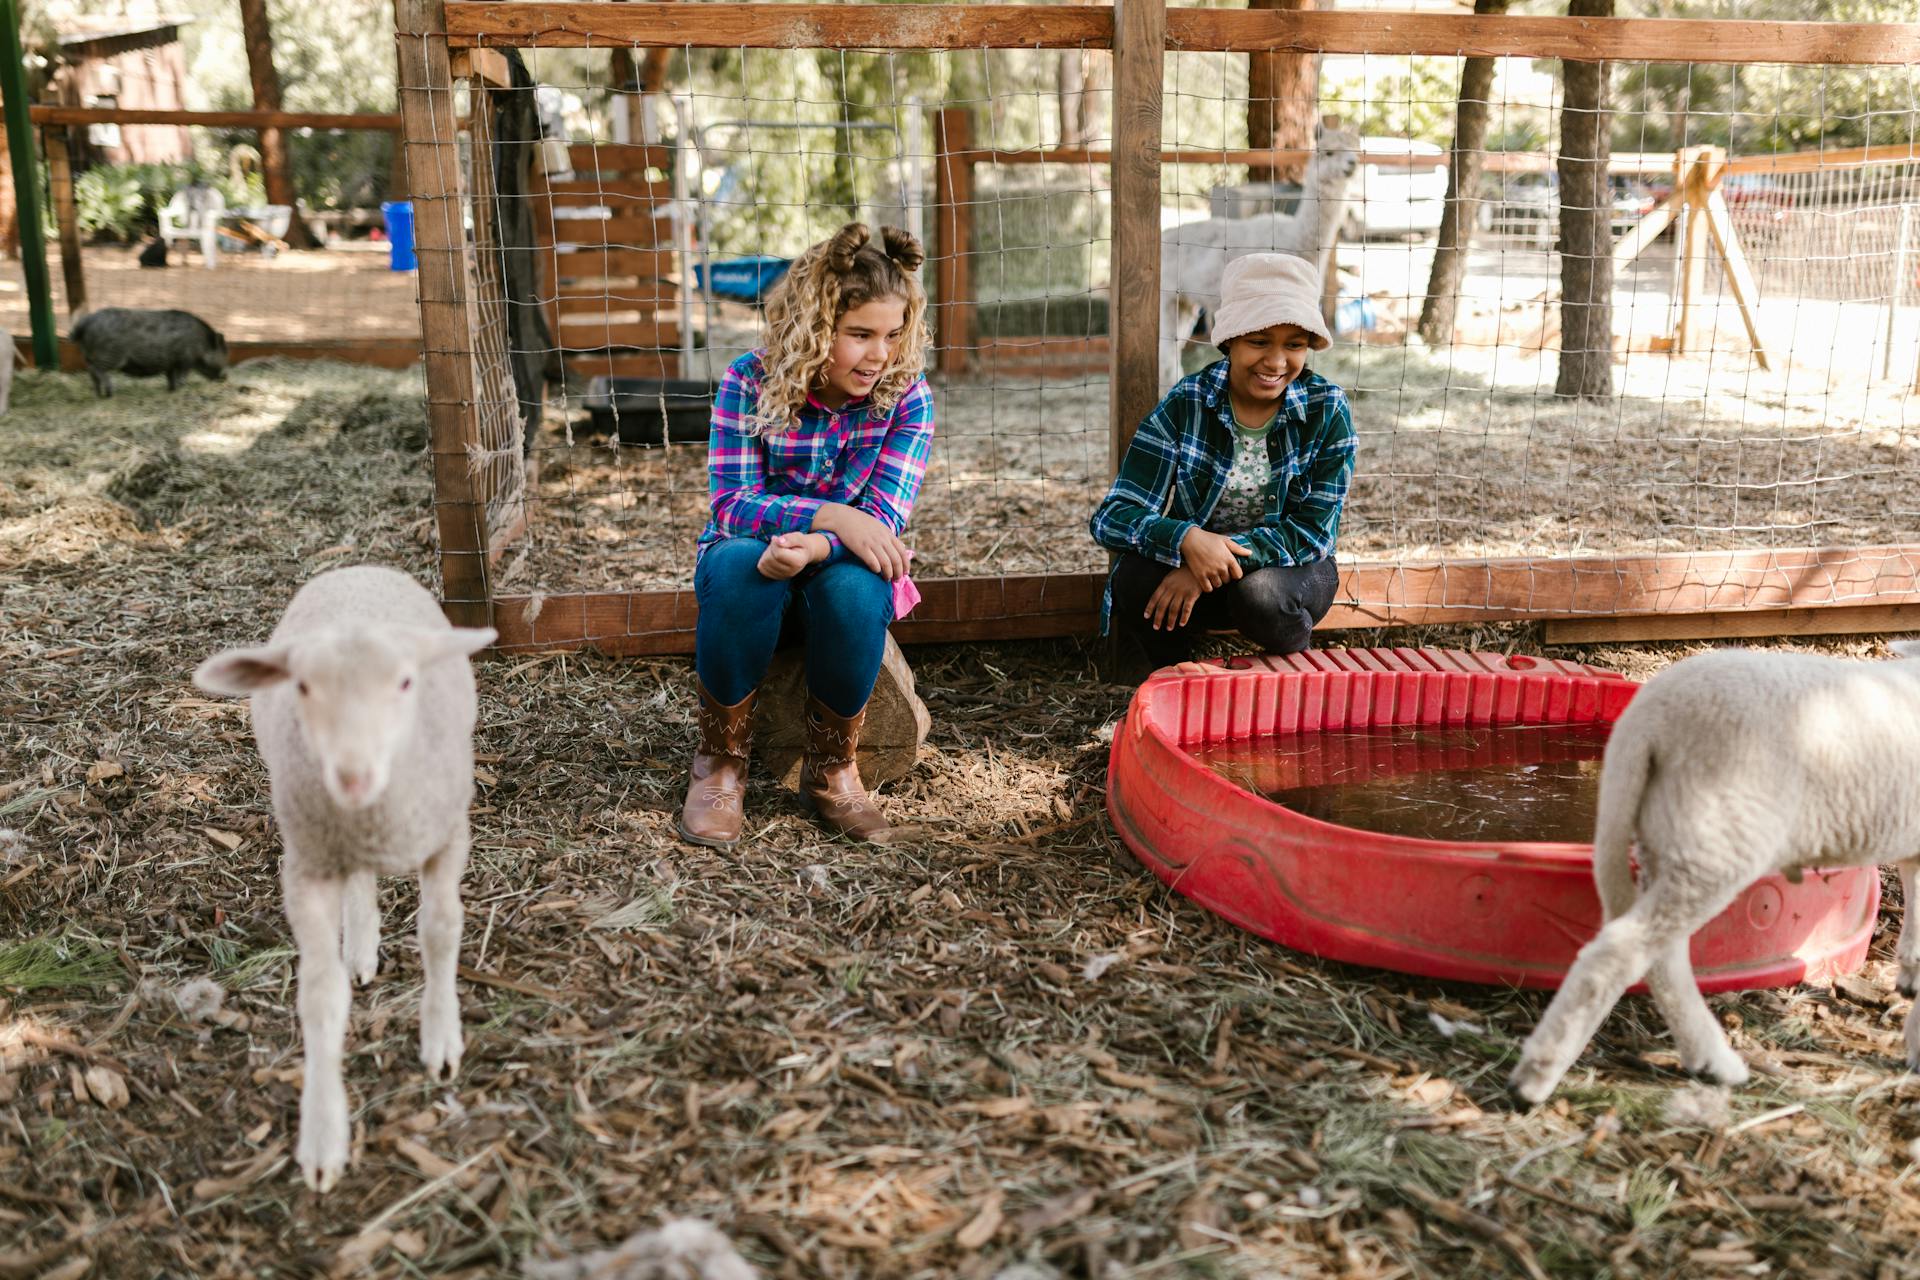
{"x": 650, "y": 410}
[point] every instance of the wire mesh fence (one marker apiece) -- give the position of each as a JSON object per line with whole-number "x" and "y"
{"x": 1764, "y": 343}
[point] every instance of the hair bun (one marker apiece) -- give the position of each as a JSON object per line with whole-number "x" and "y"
{"x": 847, "y": 241}
{"x": 903, "y": 247}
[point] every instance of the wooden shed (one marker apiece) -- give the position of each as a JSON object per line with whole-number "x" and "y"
{"x": 129, "y": 62}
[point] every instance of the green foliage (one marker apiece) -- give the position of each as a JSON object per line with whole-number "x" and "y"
{"x": 1417, "y": 102}
{"x": 108, "y": 202}
{"x": 123, "y": 201}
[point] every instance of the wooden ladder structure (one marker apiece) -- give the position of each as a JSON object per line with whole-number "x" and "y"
{"x": 1700, "y": 207}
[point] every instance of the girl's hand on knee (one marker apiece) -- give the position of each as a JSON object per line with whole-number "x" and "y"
{"x": 1213, "y": 559}
{"x": 876, "y": 545}
{"x": 788, "y": 554}
{"x": 1172, "y": 602}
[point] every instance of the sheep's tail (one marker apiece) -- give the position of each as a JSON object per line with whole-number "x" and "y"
{"x": 1623, "y": 784}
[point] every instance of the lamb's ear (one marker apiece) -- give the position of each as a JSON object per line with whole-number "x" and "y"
{"x": 1905, "y": 648}
{"x": 239, "y": 672}
{"x": 455, "y": 642}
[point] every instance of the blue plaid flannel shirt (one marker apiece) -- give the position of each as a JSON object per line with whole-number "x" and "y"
{"x": 1176, "y": 468}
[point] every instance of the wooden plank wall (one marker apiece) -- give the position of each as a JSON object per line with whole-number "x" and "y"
{"x": 610, "y": 275}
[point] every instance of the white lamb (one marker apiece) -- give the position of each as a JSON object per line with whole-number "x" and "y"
{"x": 1194, "y": 254}
{"x": 1726, "y": 767}
{"x": 363, "y": 706}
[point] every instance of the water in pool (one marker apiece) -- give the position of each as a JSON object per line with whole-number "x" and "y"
{"x": 1511, "y": 782}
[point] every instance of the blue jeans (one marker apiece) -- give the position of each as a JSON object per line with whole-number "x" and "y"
{"x": 839, "y": 607}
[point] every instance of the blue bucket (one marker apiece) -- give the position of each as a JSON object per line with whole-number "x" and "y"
{"x": 744, "y": 279}
{"x": 399, "y": 216}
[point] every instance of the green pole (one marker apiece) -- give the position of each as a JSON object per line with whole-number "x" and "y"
{"x": 26, "y": 186}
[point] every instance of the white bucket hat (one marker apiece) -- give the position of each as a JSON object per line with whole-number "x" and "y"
{"x": 1265, "y": 289}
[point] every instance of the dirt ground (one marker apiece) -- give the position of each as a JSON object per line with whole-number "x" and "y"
{"x": 327, "y": 295}
{"x": 1000, "y": 1043}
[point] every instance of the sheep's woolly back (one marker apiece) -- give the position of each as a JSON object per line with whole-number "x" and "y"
{"x": 364, "y": 594}
{"x": 1746, "y": 752}
{"x": 684, "y": 1249}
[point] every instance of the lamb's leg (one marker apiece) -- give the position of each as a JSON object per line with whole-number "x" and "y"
{"x": 1697, "y": 1034}
{"x": 102, "y": 383}
{"x": 1623, "y": 950}
{"x": 1907, "y": 950}
{"x": 313, "y": 910}
{"x": 440, "y": 1042}
{"x": 1601, "y": 973}
{"x": 362, "y": 931}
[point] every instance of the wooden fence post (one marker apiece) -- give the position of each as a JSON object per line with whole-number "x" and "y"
{"x": 953, "y": 209}
{"x": 66, "y": 217}
{"x": 1133, "y": 299}
{"x": 1691, "y": 176}
{"x": 448, "y": 316}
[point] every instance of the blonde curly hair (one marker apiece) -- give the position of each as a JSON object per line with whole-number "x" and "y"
{"x": 827, "y": 281}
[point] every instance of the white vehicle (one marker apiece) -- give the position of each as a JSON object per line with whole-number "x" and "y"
{"x": 1391, "y": 199}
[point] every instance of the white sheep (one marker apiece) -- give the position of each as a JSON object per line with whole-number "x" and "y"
{"x": 1727, "y": 767}
{"x": 1193, "y": 255}
{"x": 363, "y": 706}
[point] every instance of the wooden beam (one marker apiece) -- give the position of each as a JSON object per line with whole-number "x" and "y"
{"x": 953, "y": 239}
{"x": 448, "y": 315}
{"x": 1133, "y": 318}
{"x": 1847, "y": 620}
{"x": 1574, "y": 39}
{"x": 1836, "y": 158}
{"x": 397, "y": 352}
{"x": 66, "y": 216}
{"x": 779, "y": 26}
{"x": 1265, "y": 158}
{"x": 1787, "y": 589}
{"x": 487, "y": 66}
{"x": 1746, "y": 292}
{"x": 49, "y": 115}
{"x": 910, "y": 26}
{"x": 950, "y": 609}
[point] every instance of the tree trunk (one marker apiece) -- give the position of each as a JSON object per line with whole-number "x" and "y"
{"x": 1072, "y": 81}
{"x": 1586, "y": 216}
{"x": 1281, "y": 90}
{"x": 274, "y": 162}
{"x": 1463, "y": 181}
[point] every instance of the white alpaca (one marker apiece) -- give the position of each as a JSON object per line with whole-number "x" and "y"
{"x": 1727, "y": 767}
{"x": 1193, "y": 255}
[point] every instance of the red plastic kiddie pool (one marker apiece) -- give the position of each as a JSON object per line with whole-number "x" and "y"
{"x": 1496, "y": 912}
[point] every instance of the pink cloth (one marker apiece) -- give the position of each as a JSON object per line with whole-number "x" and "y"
{"x": 905, "y": 594}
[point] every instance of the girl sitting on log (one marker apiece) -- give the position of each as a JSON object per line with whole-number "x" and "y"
{"x": 818, "y": 445}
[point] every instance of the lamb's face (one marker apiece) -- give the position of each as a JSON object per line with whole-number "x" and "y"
{"x": 355, "y": 694}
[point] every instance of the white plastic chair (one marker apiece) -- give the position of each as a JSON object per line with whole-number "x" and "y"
{"x": 193, "y": 214}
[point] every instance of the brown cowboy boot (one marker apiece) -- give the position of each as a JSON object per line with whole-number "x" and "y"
{"x": 830, "y": 777}
{"x": 711, "y": 815}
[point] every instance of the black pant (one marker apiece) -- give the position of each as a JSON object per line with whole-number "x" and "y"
{"x": 1274, "y": 607}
